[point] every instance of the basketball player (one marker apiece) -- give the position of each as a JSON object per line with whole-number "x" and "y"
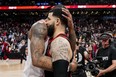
{"x": 29, "y": 69}
{"x": 37, "y": 36}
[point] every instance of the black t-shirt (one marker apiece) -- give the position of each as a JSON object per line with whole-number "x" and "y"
{"x": 22, "y": 50}
{"x": 80, "y": 56}
{"x": 81, "y": 60}
{"x": 107, "y": 55}
{"x": 114, "y": 44}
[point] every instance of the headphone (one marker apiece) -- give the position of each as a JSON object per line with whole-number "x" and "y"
{"x": 106, "y": 36}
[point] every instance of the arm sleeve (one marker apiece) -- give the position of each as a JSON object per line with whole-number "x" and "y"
{"x": 60, "y": 68}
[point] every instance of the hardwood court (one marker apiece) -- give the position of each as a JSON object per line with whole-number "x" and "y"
{"x": 11, "y": 68}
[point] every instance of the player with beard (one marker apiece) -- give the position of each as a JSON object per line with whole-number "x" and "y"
{"x": 59, "y": 48}
{"x": 37, "y": 36}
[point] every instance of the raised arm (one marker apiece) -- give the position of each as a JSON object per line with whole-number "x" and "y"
{"x": 72, "y": 34}
{"x": 37, "y": 35}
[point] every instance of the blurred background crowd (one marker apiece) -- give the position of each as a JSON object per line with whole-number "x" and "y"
{"x": 52, "y": 2}
{"x": 89, "y": 23}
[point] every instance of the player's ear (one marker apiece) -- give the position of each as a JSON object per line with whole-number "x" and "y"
{"x": 58, "y": 21}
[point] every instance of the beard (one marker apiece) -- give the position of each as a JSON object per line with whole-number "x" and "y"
{"x": 51, "y": 30}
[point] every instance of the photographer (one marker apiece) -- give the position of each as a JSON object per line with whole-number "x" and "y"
{"x": 80, "y": 54}
{"x": 108, "y": 57}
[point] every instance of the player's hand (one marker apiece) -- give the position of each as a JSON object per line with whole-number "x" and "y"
{"x": 68, "y": 16}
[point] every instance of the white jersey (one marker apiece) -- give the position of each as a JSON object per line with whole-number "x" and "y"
{"x": 29, "y": 69}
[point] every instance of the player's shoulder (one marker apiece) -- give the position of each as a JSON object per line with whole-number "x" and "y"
{"x": 38, "y": 24}
{"x": 38, "y": 29}
{"x": 60, "y": 41}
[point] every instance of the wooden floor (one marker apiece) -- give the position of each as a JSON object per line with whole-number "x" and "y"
{"x": 11, "y": 68}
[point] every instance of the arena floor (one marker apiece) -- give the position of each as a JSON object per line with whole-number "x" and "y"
{"x": 13, "y": 68}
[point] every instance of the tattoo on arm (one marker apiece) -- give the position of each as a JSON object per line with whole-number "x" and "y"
{"x": 60, "y": 49}
{"x": 37, "y": 45}
{"x": 72, "y": 38}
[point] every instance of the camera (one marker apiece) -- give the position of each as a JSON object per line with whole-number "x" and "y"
{"x": 92, "y": 67}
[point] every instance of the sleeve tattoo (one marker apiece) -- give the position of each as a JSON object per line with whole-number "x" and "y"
{"x": 37, "y": 45}
{"x": 60, "y": 49}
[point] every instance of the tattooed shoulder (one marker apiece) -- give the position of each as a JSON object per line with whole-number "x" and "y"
{"x": 37, "y": 42}
{"x": 60, "y": 49}
{"x": 39, "y": 30}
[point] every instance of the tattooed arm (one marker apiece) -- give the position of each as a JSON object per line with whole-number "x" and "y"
{"x": 72, "y": 34}
{"x": 61, "y": 55}
{"x": 60, "y": 49}
{"x": 37, "y": 35}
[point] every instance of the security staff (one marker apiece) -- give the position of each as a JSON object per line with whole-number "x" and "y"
{"x": 108, "y": 57}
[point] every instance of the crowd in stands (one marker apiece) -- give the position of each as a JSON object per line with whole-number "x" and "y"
{"x": 53, "y": 2}
{"x": 11, "y": 35}
{"x": 94, "y": 26}
{"x": 89, "y": 29}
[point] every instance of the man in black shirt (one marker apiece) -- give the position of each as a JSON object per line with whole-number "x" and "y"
{"x": 81, "y": 55}
{"x": 23, "y": 52}
{"x": 108, "y": 57}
